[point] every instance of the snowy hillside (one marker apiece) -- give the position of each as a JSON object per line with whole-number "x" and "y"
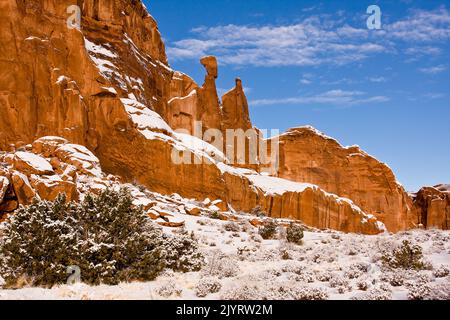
{"x": 241, "y": 265}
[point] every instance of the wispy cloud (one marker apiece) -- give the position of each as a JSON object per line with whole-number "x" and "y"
{"x": 434, "y": 95}
{"x": 423, "y": 26}
{"x": 433, "y": 70}
{"x": 314, "y": 41}
{"x": 377, "y": 79}
{"x": 332, "y": 97}
{"x": 311, "y": 42}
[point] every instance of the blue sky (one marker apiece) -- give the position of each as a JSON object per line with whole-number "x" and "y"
{"x": 316, "y": 63}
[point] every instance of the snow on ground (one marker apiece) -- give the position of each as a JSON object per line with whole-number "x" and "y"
{"x": 240, "y": 265}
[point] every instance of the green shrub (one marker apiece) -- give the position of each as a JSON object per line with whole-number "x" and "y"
{"x": 214, "y": 215}
{"x": 268, "y": 230}
{"x": 407, "y": 256}
{"x": 107, "y": 237}
{"x": 294, "y": 234}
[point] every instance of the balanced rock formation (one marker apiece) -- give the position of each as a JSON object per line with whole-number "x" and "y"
{"x": 307, "y": 155}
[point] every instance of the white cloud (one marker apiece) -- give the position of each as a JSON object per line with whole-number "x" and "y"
{"x": 377, "y": 79}
{"x": 433, "y": 70}
{"x": 332, "y": 97}
{"x": 422, "y": 26}
{"x": 314, "y": 41}
{"x": 305, "y": 81}
{"x": 435, "y": 95}
{"x": 311, "y": 42}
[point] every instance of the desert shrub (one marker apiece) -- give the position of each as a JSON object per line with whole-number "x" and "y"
{"x": 439, "y": 291}
{"x": 214, "y": 215}
{"x": 108, "y": 238}
{"x": 362, "y": 285}
{"x": 322, "y": 276}
{"x": 377, "y": 293}
{"x": 268, "y": 230}
{"x": 306, "y": 293}
{"x": 294, "y": 234}
{"x": 32, "y": 245}
{"x": 232, "y": 227}
{"x": 168, "y": 289}
{"x": 293, "y": 267}
{"x": 221, "y": 266}
{"x": 418, "y": 291}
{"x": 395, "y": 279}
{"x": 441, "y": 272}
{"x": 407, "y": 256}
{"x": 206, "y": 286}
{"x": 180, "y": 253}
{"x": 356, "y": 270}
{"x": 285, "y": 291}
{"x": 340, "y": 283}
{"x": 242, "y": 292}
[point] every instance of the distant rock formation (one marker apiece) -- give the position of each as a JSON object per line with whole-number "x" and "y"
{"x": 432, "y": 207}
{"x": 307, "y": 155}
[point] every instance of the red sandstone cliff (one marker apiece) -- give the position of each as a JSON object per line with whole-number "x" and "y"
{"x": 108, "y": 86}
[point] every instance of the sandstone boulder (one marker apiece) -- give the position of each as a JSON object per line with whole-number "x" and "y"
{"x": 30, "y": 163}
{"x": 22, "y": 188}
{"x": 49, "y": 187}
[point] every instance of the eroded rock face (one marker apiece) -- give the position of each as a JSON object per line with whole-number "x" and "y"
{"x": 432, "y": 207}
{"x": 307, "y": 155}
{"x": 235, "y": 109}
{"x": 106, "y": 94}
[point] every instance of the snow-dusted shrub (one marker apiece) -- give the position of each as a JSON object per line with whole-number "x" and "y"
{"x": 418, "y": 291}
{"x": 441, "y": 272}
{"x": 356, "y": 270}
{"x": 108, "y": 238}
{"x": 376, "y": 293}
{"x": 39, "y": 242}
{"x": 232, "y": 227}
{"x": 206, "y": 286}
{"x": 340, "y": 283}
{"x": 246, "y": 291}
{"x": 305, "y": 293}
{"x": 322, "y": 275}
{"x": 362, "y": 284}
{"x": 439, "y": 291}
{"x": 305, "y": 276}
{"x": 268, "y": 230}
{"x": 181, "y": 253}
{"x": 407, "y": 256}
{"x": 294, "y": 234}
{"x": 168, "y": 288}
{"x": 394, "y": 278}
{"x": 293, "y": 267}
{"x": 221, "y": 266}
{"x": 285, "y": 291}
